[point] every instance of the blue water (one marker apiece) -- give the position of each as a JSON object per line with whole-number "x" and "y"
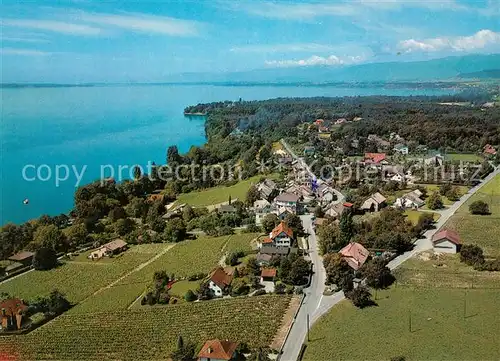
{"x": 122, "y": 125}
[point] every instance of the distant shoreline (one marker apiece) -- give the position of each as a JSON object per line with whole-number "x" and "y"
{"x": 196, "y": 114}
{"x": 390, "y": 84}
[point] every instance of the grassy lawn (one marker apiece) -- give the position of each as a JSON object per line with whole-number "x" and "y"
{"x": 77, "y": 280}
{"x": 180, "y": 288}
{"x": 413, "y": 215}
{"x": 464, "y": 157}
{"x": 220, "y": 194}
{"x": 150, "y": 334}
{"x": 481, "y": 230}
{"x": 435, "y": 187}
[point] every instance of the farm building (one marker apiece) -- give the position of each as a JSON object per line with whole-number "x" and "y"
{"x": 215, "y": 350}
{"x": 109, "y": 249}
{"x": 446, "y": 241}
{"x": 374, "y": 203}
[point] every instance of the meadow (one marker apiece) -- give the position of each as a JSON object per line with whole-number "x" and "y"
{"x": 220, "y": 194}
{"x": 481, "y": 230}
{"x": 151, "y": 334}
{"x": 413, "y": 215}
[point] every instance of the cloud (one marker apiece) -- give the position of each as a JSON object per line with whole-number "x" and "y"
{"x": 316, "y": 60}
{"x": 19, "y": 39}
{"x": 23, "y": 52}
{"x": 143, "y": 23}
{"x": 52, "y": 26}
{"x": 480, "y": 40}
{"x": 312, "y": 10}
{"x": 283, "y": 48}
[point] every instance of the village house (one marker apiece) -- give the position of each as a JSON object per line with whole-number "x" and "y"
{"x": 274, "y": 251}
{"x": 261, "y": 208}
{"x": 12, "y": 314}
{"x": 109, "y": 249}
{"x": 446, "y": 241}
{"x": 217, "y": 350}
{"x": 25, "y": 258}
{"x": 288, "y": 200}
{"x": 436, "y": 160}
{"x": 401, "y": 149}
{"x": 219, "y": 281}
{"x": 226, "y": 209}
{"x": 355, "y": 255}
{"x": 489, "y": 150}
{"x": 263, "y": 259}
{"x": 325, "y": 194}
{"x": 381, "y": 143}
{"x": 267, "y": 275}
{"x": 335, "y": 210}
{"x": 280, "y": 236}
{"x": 410, "y": 200}
{"x": 303, "y": 191}
{"x": 266, "y": 188}
{"x": 375, "y": 159}
{"x": 374, "y": 203}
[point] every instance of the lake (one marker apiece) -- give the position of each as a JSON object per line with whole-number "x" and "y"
{"x": 114, "y": 125}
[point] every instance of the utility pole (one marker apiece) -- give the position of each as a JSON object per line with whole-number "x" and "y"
{"x": 308, "y": 339}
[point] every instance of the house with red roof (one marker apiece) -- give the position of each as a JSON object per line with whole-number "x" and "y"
{"x": 446, "y": 241}
{"x": 219, "y": 281}
{"x": 489, "y": 150}
{"x": 218, "y": 350}
{"x": 375, "y": 158}
{"x": 12, "y": 314}
{"x": 280, "y": 236}
{"x": 355, "y": 255}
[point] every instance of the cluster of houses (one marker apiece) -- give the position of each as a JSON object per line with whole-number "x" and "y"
{"x": 20, "y": 261}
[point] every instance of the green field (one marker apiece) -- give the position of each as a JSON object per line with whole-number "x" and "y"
{"x": 481, "y": 230}
{"x": 150, "y": 334}
{"x": 241, "y": 242}
{"x": 413, "y": 215}
{"x": 464, "y": 157}
{"x": 180, "y": 288}
{"x": 435, "y": 187}
{"x": 78, "y": 279}
{"x": 220, "y": 194}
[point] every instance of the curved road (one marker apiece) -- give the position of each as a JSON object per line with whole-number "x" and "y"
{"x": 316, "y": 305}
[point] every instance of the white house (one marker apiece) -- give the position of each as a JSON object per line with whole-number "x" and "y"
{"x": 280, "y": 236}
{"x": 410, "y": 200}
{"x": 261, "y": 208}
{"x": 219, "y": 282}
{"x": 401, "y": 149}
{"x": 287, "y": 200}
{"x": 446, "y": 241}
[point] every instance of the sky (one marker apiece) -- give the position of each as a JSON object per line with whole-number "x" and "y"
{"x": 130, "y": 40}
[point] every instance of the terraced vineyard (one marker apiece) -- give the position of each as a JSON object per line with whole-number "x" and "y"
{"x": 150, "y": 334}
{"x": 241, "y": 242}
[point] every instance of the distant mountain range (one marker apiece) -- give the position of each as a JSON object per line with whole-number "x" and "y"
{"x": 450, "y": 68}
{"x": 483, "y": 74}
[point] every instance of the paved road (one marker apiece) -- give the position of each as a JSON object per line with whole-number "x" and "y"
{"x": 316, "y": 305}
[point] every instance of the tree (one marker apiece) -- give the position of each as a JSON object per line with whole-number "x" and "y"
{"x": 425, "y": 221}
{"x": 318, "y": 212}
{"x": 173, "y": 156}
{"x": 124, "y": 226}
{"x": 346, "y": 227}
{"x": 453, "y": 194}
{"x": 253, "y": 267}
{"x": 190, "y": 296}
{"x": 76, "y": 234}
{"x": 471, "y": 254}
{"x": 435, "y": 201}
{"x": 260, "y": 354}
{"x": 377, "y": 274}
{"x": 295, "y": 223}
{"x": 137, "y": 208}
{"x": 269, "y": 222}
{"x": 479, "y": 207}
{"x": 137, "y": 172}
{"x": 188, "y": 213}
{"x": 175, "y": 230}
{"x": 183, "y": 352}
{"x": 299, "y": 272}
{"x": 338, "y": 272}
{"x": 253, "y": 195}
{"x": 157, "y": 224}
{"x": 44, "y": 259}
{"x": 117, "y": 213}
{"x": 52, "y": 305}
{"x": 360, "y": 297}
{"x": 49, "y": 237}
{"x": 329, "y": 238}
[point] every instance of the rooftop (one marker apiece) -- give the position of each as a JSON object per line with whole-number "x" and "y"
{"x": 448, "y": 234}
{"x": 218, "y": 350}
{"x": 21, "y": 256}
